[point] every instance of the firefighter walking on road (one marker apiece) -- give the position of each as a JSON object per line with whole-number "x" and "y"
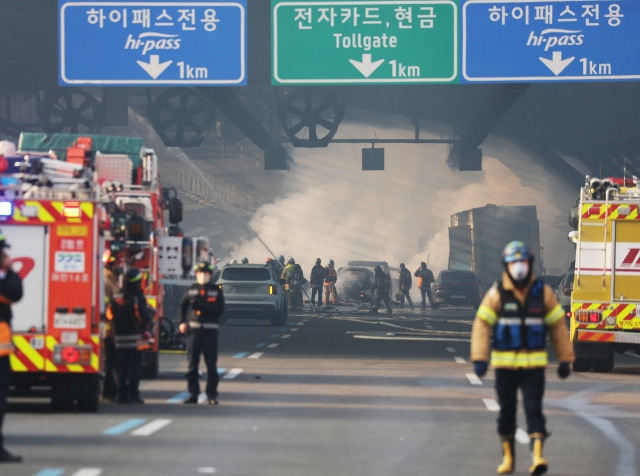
{"x": 380, "y": 290}
{"x": 405, "y": 285}
{"x": 330, "y": 278}
{"x": 518, "y": 311}
{"x": 425, "y": 278}
{"x": 131, "y": 316}
{"x": 199, "y": 315}
{"x": 10, "y": 292}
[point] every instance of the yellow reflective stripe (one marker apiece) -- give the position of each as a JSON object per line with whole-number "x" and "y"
{"x": 87, "y": 209}
{"x": 30, "y": 353}
{"x": 554, "y": 315}
{"x": 43, "y": 214}
{"x": 49, "y": 366}
{"x": 75, "y": 367}
{"x": 488, "y": 315}
{"x": 152, "y": 301}
{"x": 16, "y": 364}
{"x": 519, "y": 359}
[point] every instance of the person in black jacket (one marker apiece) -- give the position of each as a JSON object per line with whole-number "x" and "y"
{"x": 405, "y": 285}
{"x": 199, "y": 313}
{"x": 131, "y": 317}
{"x": 317, "y": 281}
{"x": 10, "y": 292}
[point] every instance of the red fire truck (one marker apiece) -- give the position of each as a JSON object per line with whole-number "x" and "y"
{"x": 66, "y": 199}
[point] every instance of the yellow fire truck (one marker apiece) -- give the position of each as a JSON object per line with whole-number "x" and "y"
{"x": 605, "y": 302}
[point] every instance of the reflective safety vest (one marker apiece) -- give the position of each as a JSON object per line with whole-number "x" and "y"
{"x": 129, "y": 341}
{"x": 520, "y": 331}
{"x": 6, "y": 343}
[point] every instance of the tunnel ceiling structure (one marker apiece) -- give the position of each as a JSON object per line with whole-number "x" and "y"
{"x": 597, "y": 123}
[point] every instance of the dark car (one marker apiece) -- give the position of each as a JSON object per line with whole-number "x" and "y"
{"x": 252, "y": 291}
{"x": 354, "y": 284}
{"x": 457, "y": 287}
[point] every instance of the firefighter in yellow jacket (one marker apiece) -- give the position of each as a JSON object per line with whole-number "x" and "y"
{"x": 515, "y": 316}
{"x": 10, "y": 292}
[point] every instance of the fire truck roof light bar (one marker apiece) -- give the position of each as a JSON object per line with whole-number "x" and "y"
{"x": 6, "y": 209}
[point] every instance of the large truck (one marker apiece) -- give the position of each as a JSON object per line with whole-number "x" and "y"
{"x": 477, "y": 237}
{"x": 605, "y": 302}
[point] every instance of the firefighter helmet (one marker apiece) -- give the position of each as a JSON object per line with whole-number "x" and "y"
{"x": 245, "y": 261}
{"x": 203, "y": 267}
{"x": 318, "y": 261}
{"x": 133, "y": 275}
{"x": 516, "y": 251}
{"x": 331, "y": 263}
{"x": 290, "y": 260}
{"x": 378, "y": 269}
{"x": 401, "y": 265}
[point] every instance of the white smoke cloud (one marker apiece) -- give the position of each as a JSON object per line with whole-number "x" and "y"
{"x": 335, "y": 210}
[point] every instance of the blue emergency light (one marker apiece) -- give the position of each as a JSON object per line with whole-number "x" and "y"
{"x": 6, "y": 209}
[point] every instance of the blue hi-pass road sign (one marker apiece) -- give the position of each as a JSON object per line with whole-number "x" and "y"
{"x": 550, "y": 40}
{"x": 152, "y": 43}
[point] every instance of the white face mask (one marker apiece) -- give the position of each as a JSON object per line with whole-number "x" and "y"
{"x": 202, "y": 278}
{"x": 518, "y": 270}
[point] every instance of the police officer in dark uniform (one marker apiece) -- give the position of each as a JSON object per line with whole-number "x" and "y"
{"x": 200, "y": 310}
{"x": 131, "y": 317}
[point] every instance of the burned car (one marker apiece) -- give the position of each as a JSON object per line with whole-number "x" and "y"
{"x": 354, "y": 284}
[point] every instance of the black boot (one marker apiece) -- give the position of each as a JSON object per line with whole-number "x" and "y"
{"x": 6, "y": 457}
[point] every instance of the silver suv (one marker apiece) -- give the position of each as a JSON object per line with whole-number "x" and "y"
{"x": 564, "y": 289}
{"x": 252, "y": 291}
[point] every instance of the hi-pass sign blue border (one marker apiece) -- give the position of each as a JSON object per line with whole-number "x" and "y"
{"x": 550, "y": 40}
{"x": 152, "y": 43}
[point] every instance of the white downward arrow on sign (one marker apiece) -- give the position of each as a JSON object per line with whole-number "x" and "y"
{"x": 556, "y": 64}
{"x": 154, "y": 67}
{"x": 366, "y": 67}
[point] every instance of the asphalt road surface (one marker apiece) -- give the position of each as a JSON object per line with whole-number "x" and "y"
{"x": 337, "y": 392}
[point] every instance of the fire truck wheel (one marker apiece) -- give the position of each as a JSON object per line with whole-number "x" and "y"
{"x": 582, "y": 365}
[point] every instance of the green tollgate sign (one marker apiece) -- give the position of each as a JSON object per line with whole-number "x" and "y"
{"x": 364, "y": 42}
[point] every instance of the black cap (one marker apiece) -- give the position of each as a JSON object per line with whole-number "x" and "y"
{"x": 3, "y": 241}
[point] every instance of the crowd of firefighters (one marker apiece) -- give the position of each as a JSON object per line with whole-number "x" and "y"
{"x": 322, "y": 282}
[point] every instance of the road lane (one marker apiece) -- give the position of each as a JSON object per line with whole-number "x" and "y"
{"x": 327, "y": 401}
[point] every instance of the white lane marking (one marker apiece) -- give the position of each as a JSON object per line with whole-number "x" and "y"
{"x": 433, "y": 339}
{"x": 491, "y": 404}
{"x": 88, "y": 472}
{"x": 522, "y": 436}
{"x": 294, "y": 329}
{"x": 233, "y": 373}
{"x": 473, "y": 379}
{"x": 255, "y": 355}
{"x": 631, "y": 354}
{"x": 459, "y": 360}
{"x": 451, "y": 350}
{"x": 428, "y": 326}
{"x": 301, "y": 323}
{"x": 285, "y": 336}
{"x": 207, "y": 470}
{"x": 273, "y": 346}
{"x": 151, "y": 427}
